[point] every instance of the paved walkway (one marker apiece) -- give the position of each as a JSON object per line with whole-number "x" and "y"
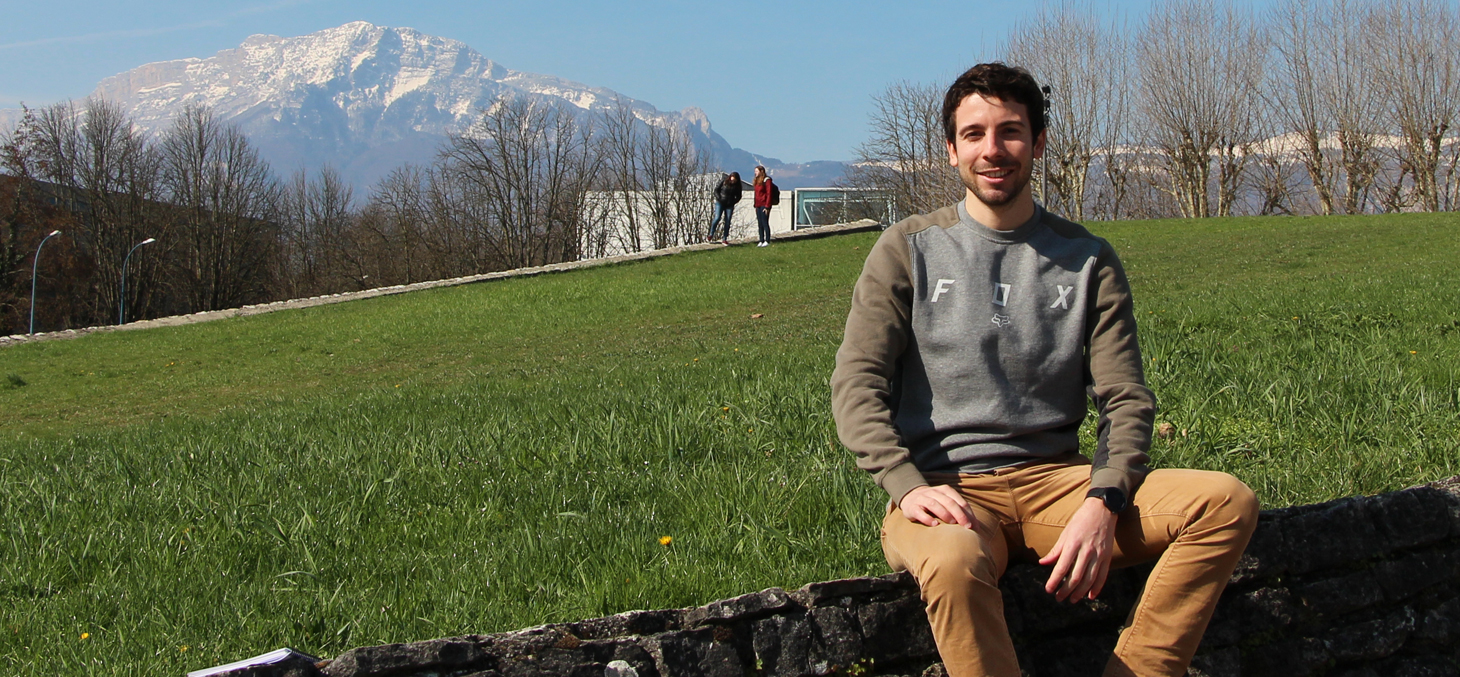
{"x": 175, "y": 320}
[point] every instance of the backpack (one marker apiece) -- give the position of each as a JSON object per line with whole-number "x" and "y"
{"x": 775, "y": 194}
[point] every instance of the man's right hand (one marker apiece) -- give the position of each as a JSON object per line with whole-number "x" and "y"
{"x": 934, "y": 505}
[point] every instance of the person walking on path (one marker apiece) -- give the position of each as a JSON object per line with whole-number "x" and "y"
{"x": 727, "y": 194}
{"x": 975, "y": 334}
{"x": 766, "y": 195}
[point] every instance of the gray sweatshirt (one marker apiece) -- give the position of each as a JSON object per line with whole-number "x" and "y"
{"x": 969, "y": 348}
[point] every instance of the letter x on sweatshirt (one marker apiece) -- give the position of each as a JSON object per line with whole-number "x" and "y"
{"x": 969, "y": 348}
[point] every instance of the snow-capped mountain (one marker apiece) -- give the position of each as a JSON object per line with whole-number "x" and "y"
{"x": 360, "y": 97}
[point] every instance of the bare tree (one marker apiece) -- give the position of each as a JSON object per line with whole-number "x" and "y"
{"x": 108, "y": 174}
{"x": 677, "y": 200}
{"x": 531, "y": 162}
{"x": 318, "y": 219}
{"x": 1417, "y": 44}
{"x": 689, "y": 200}
{"x": 1199, "y": 65}
{"x": 225, "y": 197}
{"x": 907, "y": 155}
{"x": 1326, "y": 92}
{"x": 1276, "y": 163}
{"x": 460, "y": 228}
{"x": 648, "y": 166}
{"x": 1082, "y": 59}
{"x": 401, "y": 218}
{"x": 1296, "y": 92}
{"x": 624, "y": 181}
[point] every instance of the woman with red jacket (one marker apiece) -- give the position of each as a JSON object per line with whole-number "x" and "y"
{"x": 765, "y": 190}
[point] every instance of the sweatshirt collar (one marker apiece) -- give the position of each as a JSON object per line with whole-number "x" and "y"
{"x": 1019, "y": 234}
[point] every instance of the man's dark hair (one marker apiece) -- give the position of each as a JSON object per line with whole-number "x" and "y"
{"x": 995, "y": 80}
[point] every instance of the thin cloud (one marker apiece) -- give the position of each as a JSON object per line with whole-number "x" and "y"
{"x": 149, "y": 32}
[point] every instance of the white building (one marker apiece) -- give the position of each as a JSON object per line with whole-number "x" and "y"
{"x": 798, "y": 208}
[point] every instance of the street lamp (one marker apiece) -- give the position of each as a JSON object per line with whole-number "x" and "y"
{"x": 1044, "y": 160}
{"x": 122, "y": 306}
{"x": 33, "y": 266}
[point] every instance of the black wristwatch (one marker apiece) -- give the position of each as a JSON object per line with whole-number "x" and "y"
{"x": 1114, "y": 498}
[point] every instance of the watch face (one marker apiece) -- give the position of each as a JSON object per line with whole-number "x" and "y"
{"x": 1114, "y": 499}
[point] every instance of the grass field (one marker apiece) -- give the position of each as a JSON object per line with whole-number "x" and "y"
{"x": 482, "y": 458}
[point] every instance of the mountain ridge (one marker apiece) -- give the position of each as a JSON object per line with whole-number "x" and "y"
{"x": 366, "y": 99}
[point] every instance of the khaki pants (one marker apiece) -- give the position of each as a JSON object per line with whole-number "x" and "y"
{"x": 1197, "y": 522}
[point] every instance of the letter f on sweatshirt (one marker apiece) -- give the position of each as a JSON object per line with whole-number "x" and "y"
{"x": 941, "y": 287}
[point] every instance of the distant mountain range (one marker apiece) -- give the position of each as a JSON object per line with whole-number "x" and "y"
{"x": 366, "y": 99}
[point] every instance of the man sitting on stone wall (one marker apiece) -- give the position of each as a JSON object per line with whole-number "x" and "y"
{"x": 974, "y": 335}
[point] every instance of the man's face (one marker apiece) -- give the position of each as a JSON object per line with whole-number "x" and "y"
{"x": 993, "y": 148}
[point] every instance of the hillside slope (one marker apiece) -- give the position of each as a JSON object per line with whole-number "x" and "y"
{"x": 495, "y": 456}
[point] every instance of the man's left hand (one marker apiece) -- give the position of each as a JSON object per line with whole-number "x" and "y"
{"x": 1081, "y": 556}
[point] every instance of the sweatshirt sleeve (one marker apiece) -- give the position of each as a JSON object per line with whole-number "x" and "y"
{"x": 1126, "y": 406}
{"x": 861, "y": 385}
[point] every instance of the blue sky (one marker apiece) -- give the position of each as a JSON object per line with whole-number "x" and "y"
{"x": 791, "y": 80}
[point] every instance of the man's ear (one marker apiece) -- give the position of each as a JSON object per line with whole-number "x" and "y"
{"x": 1039, "y": 143}
{"x": 952, "y": 154}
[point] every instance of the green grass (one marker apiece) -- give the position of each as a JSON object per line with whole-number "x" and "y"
{"x": 483, "y": 458}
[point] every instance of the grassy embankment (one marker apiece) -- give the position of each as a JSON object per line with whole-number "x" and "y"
{"x": 488, "y": 457}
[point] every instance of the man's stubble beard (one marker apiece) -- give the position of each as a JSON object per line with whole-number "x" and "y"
{"x": 997, "y": 198}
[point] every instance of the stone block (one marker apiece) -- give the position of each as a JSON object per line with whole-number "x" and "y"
{"x": 1243, "y": 616}
{"x": 1371, "y": 640}
{"x": 896, "y": 632}
{"x": 1041, "y": 614}
{"x": 1402, "y": 578}
{"x": 1410, "y": 518}
{"x": 628, "y": 623}
{"x": 782, "y": 644}
{"x": 1442, "y": 624}
{"x": 1416, "y": 666}
{"x": 584, "y": 659}
{"x": 390, "y": 660}
{"x": 694, "y": 653}
{"x": 1337, "y": 533}
{"x": 1296, "y": 657}
{"x": 1266, "y": 553}
{"x": 744, "y": 607}
{"x": 1072, "y": 655}
{"x": 834, "y": 592}
{"x": 1221, "y": 663}
{"x": 839, "y": 638}
{"x": 1341, "y": 594}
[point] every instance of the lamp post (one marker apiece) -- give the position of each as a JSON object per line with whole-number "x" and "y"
{"x": 1044, "y": 160}
{"x": 33, "y": 267}
{"x": 122, "y": 305}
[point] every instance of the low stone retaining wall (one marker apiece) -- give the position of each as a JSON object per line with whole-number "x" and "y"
{"x": 175, "y": 320}
{"x": 1358, "y": 587}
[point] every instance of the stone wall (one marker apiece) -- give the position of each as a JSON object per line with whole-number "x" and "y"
{"x": 1356, "y": 587}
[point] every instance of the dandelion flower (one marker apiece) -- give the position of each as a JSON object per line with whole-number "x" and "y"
{"x": 666, "y": 540}
{"x": 183, "y": 648}
{"x": 697, "y": 359}
{"x": 1414, "y": 352}
{"x": 85, "y": 635}
{"x": 724, "y": 408}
